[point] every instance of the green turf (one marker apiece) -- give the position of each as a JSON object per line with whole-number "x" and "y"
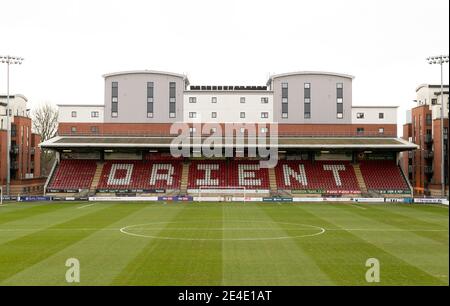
{"x": 223, "y": 244}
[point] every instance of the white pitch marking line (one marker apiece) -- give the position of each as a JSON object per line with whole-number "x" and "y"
{"x": 124, "y": 231}
{"x": 222, "y": 229}
{"x": 382, "y": 230}
{"x": 357, "y": 206}
{"x": 85, "y": 206}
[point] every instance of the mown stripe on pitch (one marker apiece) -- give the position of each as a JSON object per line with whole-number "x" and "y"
{"x": 421, "y": 212}
{"x": 411, "y": 248}
{"x": 102, "y": 255}
{"x": 265, "y": 262}
{"x": 30, "y": 211}
{"x": 176, "y": 262}
{"x": 19, "y": 254}
{"x": 404, "y": 222}
{"x": 342, "y": 255}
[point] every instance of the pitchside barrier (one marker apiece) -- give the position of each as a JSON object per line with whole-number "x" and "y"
{"x": 225, "y": 199}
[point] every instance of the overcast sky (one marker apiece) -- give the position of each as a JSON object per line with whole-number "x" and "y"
{"x": 68, "y": 45}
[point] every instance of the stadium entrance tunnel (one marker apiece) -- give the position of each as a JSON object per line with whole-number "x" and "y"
{"x": 222, "y": 230}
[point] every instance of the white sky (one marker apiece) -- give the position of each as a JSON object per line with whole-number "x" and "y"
{"x": 68, "y": 45}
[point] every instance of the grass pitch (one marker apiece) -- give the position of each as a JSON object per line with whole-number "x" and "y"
{"x": 223, "y": 244}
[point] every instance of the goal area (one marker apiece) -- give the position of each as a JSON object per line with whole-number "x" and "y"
{"x": 228, "y": 194}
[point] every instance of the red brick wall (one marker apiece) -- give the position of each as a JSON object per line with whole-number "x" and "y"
{"x": 437, "y": 178}
{"x": 336, "y": 129}
{"x": 24, "y": 155}
{"x": 418, "y": 131}
{"x": 283, "y": 129}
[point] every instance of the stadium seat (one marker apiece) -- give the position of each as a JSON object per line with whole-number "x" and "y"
{"x": 222, "y": 174}
{"x": 73, "y": 174}
{"x": 137, "y": 174}
{"x": 324, "y": 176}
{"x": 383, "y": 176}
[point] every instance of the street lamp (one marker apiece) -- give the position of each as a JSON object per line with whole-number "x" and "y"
{"x": 441, "y": 59}
{"x": 9, "y": 60}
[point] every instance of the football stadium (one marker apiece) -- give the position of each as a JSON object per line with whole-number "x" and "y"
{"x": 168, "y": 183}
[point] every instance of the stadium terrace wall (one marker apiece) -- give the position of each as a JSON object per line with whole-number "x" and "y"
{"x": 158, "y": 129}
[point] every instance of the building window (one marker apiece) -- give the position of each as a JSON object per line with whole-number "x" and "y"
{"x": 307, "y": 112}
{"x": 214, "y": 115}
{"x": 172, "y": 99}
{"x": 264, "y": 115}
{"x": 264, "y": 100}
{"x": 192, "y": 130}
{"x": 380, "y": 115}
{"x": 307, "y": 100}
{"x": 73, "y": 129}
{"x": 114, "y": 99}
{"x": 284, "y": 100}
{"x": 242, "y": 130}
{"x": 264, "y": 130}
{"x": 381, "y": 131}
{"x": 213, "y": 99}
{"x": 74, "y": 114}
{"x": 94, "y": 114}
{"x": 340, "y": 100}
{"x": 360, "y": 131}
{"x": 428, "y": 119}
{"x": 94, "y": 129}
{"x": 150, "y": 99}
{"x": 433, "y": 101}
{"x": 192, "y": 115}
{"x": 359, "y": 115}
{"x": 242, "y": 99}
{"x": 242, "y": 115}
{"x": 192, "y": 99}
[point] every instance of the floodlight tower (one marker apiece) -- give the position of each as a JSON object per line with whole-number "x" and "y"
{"x": 440, "y": 60}
{"x": 9, "y": 60}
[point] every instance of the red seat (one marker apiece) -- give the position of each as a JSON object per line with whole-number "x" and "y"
{"x": 383, "y": 176}
{"x": 322, "y": 176}
{"x": 73, "y": 174}
{"x": 222, "y": 174}
{"x": 137, "y": 174}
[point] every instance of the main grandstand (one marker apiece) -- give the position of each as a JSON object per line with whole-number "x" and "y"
{"x": 323, "y": 144}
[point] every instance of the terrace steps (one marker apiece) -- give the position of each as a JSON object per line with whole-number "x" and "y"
{"x": 96, "y": 178}
{"x": 272, "y": 180}
{"x": 360, "y": 179}
{"x": 184, "y": 178}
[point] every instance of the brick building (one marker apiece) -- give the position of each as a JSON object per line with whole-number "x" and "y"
{"x": 423, "y": 127}
{"x": 25, "y": 172}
